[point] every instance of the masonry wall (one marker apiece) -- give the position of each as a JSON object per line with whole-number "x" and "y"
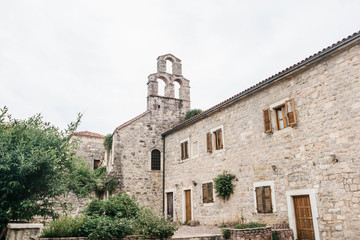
{"x": 296, "y": 159}
{"x": 132, "y": 146}
{"x": 90, "y": 149}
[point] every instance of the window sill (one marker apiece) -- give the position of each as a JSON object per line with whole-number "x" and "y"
{"x": 208, "y": 204}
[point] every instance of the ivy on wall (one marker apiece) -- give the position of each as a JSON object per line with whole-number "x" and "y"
{"x": 223, "y": 185}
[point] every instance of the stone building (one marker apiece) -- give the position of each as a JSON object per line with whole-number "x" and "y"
{"x": 135, "y": 158}
{"x": 292, "y": 141}
{"x": 90, "y": 147}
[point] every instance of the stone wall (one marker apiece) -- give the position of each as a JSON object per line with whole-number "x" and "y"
{"x": 90, "y": 148}
{"x": 296, "y": 160}
{"x": 134, "y": 140}
{"x": 251, "y": 234}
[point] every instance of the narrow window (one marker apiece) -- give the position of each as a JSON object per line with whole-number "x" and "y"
{"x": 184, "y": 150}
{"x": 207, "y": 190}
{"x": 281, "y": 118}
{"x": 267, "y": 120}
{"x": 155, "y": 160}
{"x": 290, "y": 109}
{"x": 218, "y": 139}
{"x": 209, "y": 142}
{"x": 263, "y": 199}
{"x": 96, "y": 163}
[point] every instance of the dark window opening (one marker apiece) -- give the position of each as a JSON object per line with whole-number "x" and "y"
{"x": 155, "y": 160}
{"x": 96, "y": 164}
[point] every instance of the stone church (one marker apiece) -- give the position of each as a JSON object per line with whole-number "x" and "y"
{"x": 292, "y": 141}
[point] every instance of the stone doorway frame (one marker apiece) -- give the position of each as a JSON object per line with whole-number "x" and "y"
{"x": 291, "y": 212}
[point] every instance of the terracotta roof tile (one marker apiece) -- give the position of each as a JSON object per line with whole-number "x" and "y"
{"x": 265, "y": 81}
{"x": 88, "y": 134}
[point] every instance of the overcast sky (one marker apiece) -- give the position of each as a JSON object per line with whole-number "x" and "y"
{"x": 59, "y": 58}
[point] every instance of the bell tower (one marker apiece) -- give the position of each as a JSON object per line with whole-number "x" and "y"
{"x": 168, "y": 102}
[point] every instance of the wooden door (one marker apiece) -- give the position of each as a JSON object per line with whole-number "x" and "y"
{"x": 303, "y": 217}
{"x": 170, "y": 205}
{"x": 188, "y": 205}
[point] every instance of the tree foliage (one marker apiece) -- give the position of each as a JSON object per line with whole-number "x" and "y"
{"x": 192, "y": 113}
{"x": 37, "y": 163}
{"x": 108, "y": 139}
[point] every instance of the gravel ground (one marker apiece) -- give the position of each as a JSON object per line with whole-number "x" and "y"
{"x": 198, "y": 231}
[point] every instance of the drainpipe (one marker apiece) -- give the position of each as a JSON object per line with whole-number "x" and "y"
{"x": 163, "y": 179}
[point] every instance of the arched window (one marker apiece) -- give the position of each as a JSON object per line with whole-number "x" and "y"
{"x": 161, "y": 87}
{"x": 169, "y": 66}
{"x": 155, "y": 159}
{"x": 176, "y": 89}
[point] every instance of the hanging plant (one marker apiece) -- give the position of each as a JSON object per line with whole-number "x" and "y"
{"x": 223, "y": 185}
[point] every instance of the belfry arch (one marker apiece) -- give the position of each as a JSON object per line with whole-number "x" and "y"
{"x": 170, "y": 79}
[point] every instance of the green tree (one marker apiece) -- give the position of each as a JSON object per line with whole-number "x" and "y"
{"x": 37, "y": 162}
{"x": 191, "y": 113}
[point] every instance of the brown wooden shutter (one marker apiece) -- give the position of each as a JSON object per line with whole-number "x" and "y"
{"x": 182, "y": 151}
{"x": 267, "y": 199}
{"x": 220, "y": 143}
{"x": 186, "y": 149}
{"x": 209, "y": 143}
{"x": 267, "y": 120}
{"x": 210, "y": 192}
{"x": 259, "y": 199}
{"x": 290, "y": 111}
{"x": 205, "y": 193}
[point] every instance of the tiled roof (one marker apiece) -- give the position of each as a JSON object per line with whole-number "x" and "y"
{"x": 286, "y": 71}
{"x": 88, "y": 134}
{"x": 132, "y": 120}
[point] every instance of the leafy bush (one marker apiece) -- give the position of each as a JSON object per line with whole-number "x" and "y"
{"x": 149, "y": 224}
{"x": 110, "y": 184}
{"x": 104, "y": 228}
{"x": 119, "y": 206}
{"x": 192, "y": 113}
{"x": 108, "y": 142}
{"x": 275, "y": 235}
{"x": 223, "y": 186}
{"x": 65, "y": 226}
{"x": 250, "y": 225}
{"x": 226, "y": 233}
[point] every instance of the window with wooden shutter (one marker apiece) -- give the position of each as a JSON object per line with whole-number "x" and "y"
{"x": 267, "y": 120}
{"x": 207, "y": 190}
{"x": 263, "y": 199}
{"x": 184, "y": 150}
{"x": 218, "y": 139}
{"x": 281, "y": 117}
{"x": 208, "y": 142}
{"x": 290, "y": 110}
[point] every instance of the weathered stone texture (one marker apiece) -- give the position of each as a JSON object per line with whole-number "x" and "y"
{"x": 327, "y": 102}
{"x": 134, "y": 141}
{"x": 23, "y": 231}
{"x": 90, "y": 148}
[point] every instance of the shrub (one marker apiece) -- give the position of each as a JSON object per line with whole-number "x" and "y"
{"x": 223, "y": 186}
{"x": 120, "y": 206}
{"x": 226, "y": 233}
{"x": 250, "y": 225}
{"x": 104, "y": 228}
{"x": 275, "y": 236}
{"x": 191, "y": 113}
{"x": 65, "y": 226}
{"x": 149, "y": 224}
{"x": 108, "y": 142}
